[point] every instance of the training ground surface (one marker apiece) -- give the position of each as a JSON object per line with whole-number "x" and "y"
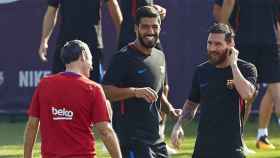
{"x": 11, "y": 141}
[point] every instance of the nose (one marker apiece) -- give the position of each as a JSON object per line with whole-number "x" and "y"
{"x": 211, "y": 47}
{"x": 150, "y": 30}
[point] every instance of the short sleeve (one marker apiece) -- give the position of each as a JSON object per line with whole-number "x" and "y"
{"x": 100, "y": 111}
{"x": 194, "y": 94}
{"x": 219, "y": 2}
{"x": 34, "y": 107}
{"x": 53, "y": 3}
{"x": 116, "y": 71}
{"x": 250, "y": 73}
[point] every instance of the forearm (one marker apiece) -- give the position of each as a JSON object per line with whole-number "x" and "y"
{"x": 30, "y": 135}
{"x": 49, "y": 22}
{"x": 217, "y": 10}
{"x": 111, "y": 142}
{"x": 115, "y": 13}
{"x": 189, "y": 111}
{"x": 245, "y": 89}
{"x": 166, "y": 105}
{"x": 226, "y": 11}
{"x": 114, "y": 93}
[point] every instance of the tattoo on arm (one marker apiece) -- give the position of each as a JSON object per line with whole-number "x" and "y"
{"x": 189, "y": 110}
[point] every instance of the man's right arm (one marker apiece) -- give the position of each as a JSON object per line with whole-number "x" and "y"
{"x": 116, "y": 14}
{"x": 114, "y": 93}
{"x": 49, "y": 22}
{"x": 217, "y": 10}
{"x": 189, "y": 111}
{"x": 226, "y": 11}
{"x": 30, "y": 135}
{"x": 109, "y": 138}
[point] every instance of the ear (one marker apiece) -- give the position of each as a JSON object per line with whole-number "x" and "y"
{"x": 83, "y": 57}
{"x": 232, "y": 43}
{"x": 136, "y": 28}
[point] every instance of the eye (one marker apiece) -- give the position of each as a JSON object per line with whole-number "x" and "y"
{"x": 218, "y": 44}
{"x": 145, "y": 27}
{"x": 155, "y": 27}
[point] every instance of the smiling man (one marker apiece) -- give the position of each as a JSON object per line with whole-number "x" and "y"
{"x": 219, "y": 87}
{"x": 134, "y": 84}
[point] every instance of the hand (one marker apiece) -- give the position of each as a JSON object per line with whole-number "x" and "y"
{"x": 146, "y": 93}
{"x": 233, "y": 56}
{"x": 161, "y": 10}
{"x": 176, "y": 113}
{"x": 177, "y": 136}
{"x": 43, "y": 51}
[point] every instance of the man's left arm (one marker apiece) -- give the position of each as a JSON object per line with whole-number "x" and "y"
{"x": 115, "y": 13}
{"x": 168, "y": 108}
{"x": 30, "y": 135}
{"x": 244, "y": 83}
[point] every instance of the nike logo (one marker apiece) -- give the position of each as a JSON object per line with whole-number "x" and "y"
{"x": 203, "y": 85}
{"x": 141, "y": 71}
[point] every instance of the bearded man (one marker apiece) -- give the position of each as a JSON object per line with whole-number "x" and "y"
{"x": 220, "y": 87}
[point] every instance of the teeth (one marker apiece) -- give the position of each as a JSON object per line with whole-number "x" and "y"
{"x": 150, "y": 37}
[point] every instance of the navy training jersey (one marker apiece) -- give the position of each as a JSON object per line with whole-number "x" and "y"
{"x": 220, "y": 103}
{"x": 80, "y": 19}
{"x": 134, "y": 119}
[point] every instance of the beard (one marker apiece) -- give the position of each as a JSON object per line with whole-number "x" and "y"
{"x": 216, "y": 58}
{"x": 148, "y": 43}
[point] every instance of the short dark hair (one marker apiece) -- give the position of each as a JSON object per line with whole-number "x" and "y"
{"x": 72, "y": 50}
{"x": 223, "y": 28}
{"x": 146, "y": 12}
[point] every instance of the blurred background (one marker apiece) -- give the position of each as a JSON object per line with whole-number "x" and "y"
{"x": 183, "y": 36}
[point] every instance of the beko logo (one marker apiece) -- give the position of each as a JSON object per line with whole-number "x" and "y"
{"x": 7, "y": 1}
{"x": 62, "y": 114}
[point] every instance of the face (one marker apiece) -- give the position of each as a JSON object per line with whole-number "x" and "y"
{"x": 217, "y": 48}
{"x": 148, "y": 32}
{"x": 87, "y": 63}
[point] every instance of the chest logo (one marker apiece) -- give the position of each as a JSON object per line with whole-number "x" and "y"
{"x": 62, "y": 114}
{"x": 141, "y": 71}
{"x": 202, "y": 85}
{"x": 230, "y": 84}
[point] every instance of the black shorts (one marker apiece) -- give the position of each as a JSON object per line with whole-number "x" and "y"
{"x": 265, "y": 57}
{"x": 97, "y": 58}
{"x": 140, "y": 150}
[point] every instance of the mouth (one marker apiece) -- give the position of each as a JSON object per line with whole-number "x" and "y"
{"x": 213, "y": 52}
{"x": 149, "y": 37}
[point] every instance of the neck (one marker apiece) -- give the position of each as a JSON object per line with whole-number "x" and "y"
{"x": 74, "y": 70}
{"x": 225, "y": 64}
{"x": 142, "y": 49}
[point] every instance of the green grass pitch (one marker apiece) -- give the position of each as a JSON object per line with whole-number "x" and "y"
{"x": 11, "y": 140}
